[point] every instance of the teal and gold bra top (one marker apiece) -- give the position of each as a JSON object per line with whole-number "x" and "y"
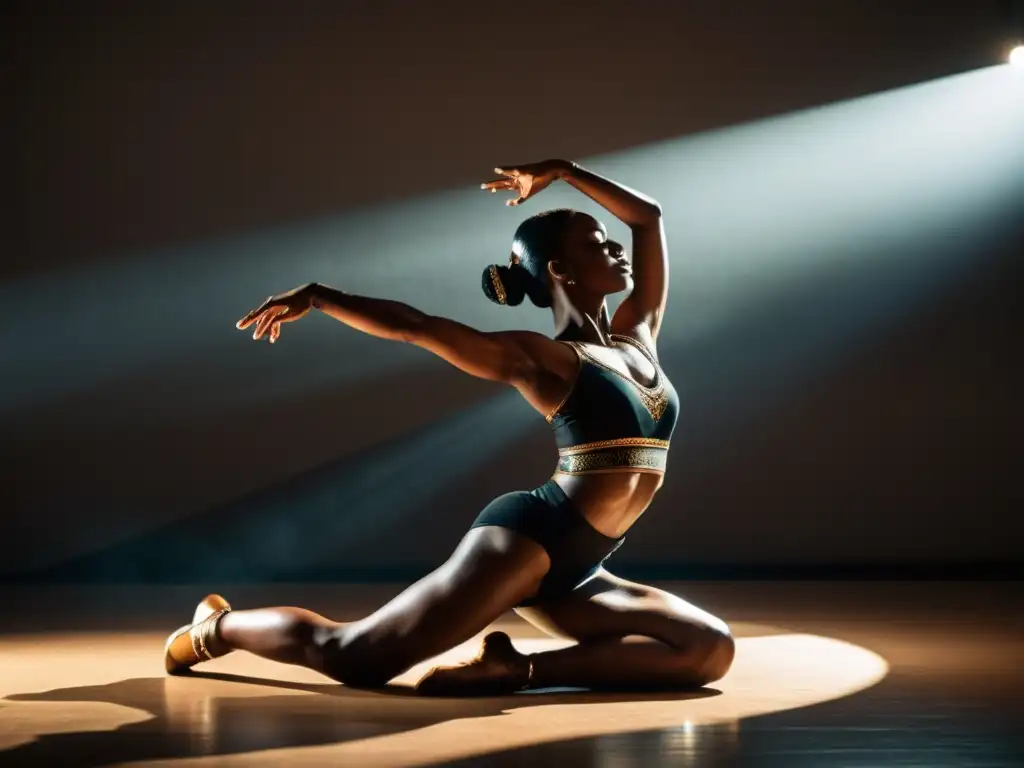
{"x": 609, "y": 422}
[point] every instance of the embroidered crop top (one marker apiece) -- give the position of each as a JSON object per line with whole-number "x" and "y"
{"x": 609, "y": 422}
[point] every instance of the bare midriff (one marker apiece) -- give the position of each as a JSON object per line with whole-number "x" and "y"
{"x": 611, "y": 502}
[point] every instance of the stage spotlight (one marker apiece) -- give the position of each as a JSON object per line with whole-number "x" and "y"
{"x": 1016, "y": 56}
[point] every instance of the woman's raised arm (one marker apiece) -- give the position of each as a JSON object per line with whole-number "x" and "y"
{"x": 646, "y": 302}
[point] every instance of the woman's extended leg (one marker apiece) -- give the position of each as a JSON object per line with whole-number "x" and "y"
{"x": 628, "y": 635}
{"x": 490, "y": 571}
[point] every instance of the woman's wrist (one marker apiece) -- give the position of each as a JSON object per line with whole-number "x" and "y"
{"x": 320, "y": 295}
{"x": 565, "y": 168}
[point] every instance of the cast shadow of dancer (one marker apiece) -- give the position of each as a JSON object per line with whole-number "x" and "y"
{"x": 187, "y": 723}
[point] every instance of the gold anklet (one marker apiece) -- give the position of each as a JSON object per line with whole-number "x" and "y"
{"x": 529, "y": 675}
{"x": 200, "y": 635}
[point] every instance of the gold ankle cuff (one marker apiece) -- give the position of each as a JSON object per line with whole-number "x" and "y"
{"x": 189, "y": 645}
{"x": 201, "y": 634}
{"x": 529, "y": 675}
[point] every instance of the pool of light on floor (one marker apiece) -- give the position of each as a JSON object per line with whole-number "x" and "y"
{"x": 107, "y": 692}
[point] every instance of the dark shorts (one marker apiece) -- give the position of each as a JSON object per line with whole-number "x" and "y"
{"x": 548, "y": 516}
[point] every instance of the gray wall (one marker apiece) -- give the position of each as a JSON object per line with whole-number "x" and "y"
{"x": 171, "y": 166}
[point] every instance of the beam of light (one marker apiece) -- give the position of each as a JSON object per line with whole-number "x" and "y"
{"x": 797, "y": 240}
{"x": 747, "y": 209}
{"x": 794, "y": 242}
{"x": 319, "y": 520}
{"x": 173, "y": 309}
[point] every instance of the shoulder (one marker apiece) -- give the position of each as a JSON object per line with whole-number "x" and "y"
{"x": 545, "y": 354}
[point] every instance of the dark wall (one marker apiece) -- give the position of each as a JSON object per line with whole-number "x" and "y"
{"x": 135, "y": 126}
{"x": 139, "y": 133}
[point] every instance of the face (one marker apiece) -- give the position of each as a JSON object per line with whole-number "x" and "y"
{"x": 597, "y": 264}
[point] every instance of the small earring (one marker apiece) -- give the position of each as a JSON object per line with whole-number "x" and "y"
{"x": 570, "y": 281}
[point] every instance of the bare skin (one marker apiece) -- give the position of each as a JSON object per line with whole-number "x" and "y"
{"x": 627, "y": 634}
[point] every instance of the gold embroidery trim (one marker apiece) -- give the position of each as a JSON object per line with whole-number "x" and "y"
{"x": 620, "y": 442}
{"x": 653, "y": 397}
{"x": 658, "y": 384}
{"x": 612, "y": 470}
{"x": 617, "y": 459}
{"x": 579, "y": 367}
{"x": 499, "y": 287}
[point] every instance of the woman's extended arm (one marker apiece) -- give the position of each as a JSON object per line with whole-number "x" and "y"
{"x": 378, "y": 317}
{"x": 384, "y": 318}
{"x": 500, "y": 356}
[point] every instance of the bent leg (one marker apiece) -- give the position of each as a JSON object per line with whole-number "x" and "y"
{"x": 628, "y": 635}
{"x": 490, "y": 571}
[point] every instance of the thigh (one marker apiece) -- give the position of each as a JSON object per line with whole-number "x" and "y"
{"x": 491, "y": 570}
{"x": 609, "y": 606}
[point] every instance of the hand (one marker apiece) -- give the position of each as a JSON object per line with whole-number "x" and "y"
{"x": 283, "y": 308}
{"x": 526, "y": 180}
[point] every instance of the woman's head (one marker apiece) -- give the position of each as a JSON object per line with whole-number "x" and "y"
{"x": 557, "y": 248}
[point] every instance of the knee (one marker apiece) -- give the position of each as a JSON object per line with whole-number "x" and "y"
{"x": 717, "y": 649}
{"x": 703, "y": 655}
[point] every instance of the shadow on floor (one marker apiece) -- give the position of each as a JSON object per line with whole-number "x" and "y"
{"x": 190, "y": 721}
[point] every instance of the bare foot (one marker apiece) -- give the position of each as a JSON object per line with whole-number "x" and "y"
{"x": 498, "y": 669}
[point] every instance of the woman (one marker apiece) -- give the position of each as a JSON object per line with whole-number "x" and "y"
{"x": 599, "y": 384}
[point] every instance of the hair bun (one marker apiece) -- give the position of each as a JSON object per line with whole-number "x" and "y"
{"x": 504, "y": 285}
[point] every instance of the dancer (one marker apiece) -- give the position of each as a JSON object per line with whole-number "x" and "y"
{"x": 599, "y": 385}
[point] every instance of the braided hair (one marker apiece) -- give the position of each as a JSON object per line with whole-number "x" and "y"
{"x": 537, "y": 240}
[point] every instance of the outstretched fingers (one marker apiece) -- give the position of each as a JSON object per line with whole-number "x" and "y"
{"x": 268, "y": 320}
{"x": 254, "y": 315}
{"x": 248, "y": 320}
{"x": 511, "y": 183}
{"x": 263, "y": 324}
{"x": 496, "y": 184}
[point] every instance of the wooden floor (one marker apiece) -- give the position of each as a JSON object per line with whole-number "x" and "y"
{"x": 826, "y": 674}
